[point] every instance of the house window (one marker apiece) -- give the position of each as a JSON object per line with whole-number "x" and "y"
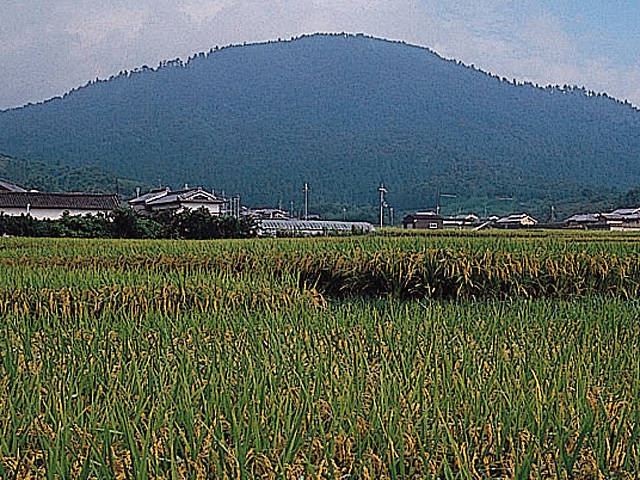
{"x": 433, "y": 225}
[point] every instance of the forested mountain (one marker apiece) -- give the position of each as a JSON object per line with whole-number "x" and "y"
{"x": 342, "y": 113}
{"x": 55, "y": 177}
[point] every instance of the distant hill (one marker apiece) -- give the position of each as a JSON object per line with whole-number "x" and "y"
{"x": 342, "y": 113}
{"x": 55, "y": 177}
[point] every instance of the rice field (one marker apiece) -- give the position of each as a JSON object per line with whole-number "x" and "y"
{"x": 442, "y": 356}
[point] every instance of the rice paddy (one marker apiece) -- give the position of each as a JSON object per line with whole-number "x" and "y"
{"x": 442, "y": 356}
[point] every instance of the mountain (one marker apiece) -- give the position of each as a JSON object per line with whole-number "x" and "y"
{"x": 54, "y": 177}
{"x": 342, "y": 113}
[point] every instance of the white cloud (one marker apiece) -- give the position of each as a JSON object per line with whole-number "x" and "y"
{"x": 203, "y": 11}
{"x": 94, "y": 28}
{"x": 598, "y": 74}
{"x": 537, "y": 48}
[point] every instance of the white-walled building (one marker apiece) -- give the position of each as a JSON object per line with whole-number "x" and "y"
{"x": 516, "y": 220}
{"x": 165, "y": 199}
{"x": 51, "y": 206}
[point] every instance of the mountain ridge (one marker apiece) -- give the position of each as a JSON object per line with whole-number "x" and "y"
{"x": 179, "y": 62}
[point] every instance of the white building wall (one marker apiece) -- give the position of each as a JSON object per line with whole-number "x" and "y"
{"x": 214, "y": 209}
{"x": 46, "y": 213}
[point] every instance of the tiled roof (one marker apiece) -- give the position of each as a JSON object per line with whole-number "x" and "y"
{"x": 166, "y": 196}
{"x": 184, "y": 198}
{"x": 585, "y": 218}
{"x": 626, "y": 211}
{"x": 71, "y": 201}
{"x": 10, "y": 187}
{"x": 517, "y": 218}
{"x": 426, "y": 215}
{"x": 149, "y": 196}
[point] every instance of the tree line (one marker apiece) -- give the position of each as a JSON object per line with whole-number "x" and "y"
{"x": 126, "y": 223}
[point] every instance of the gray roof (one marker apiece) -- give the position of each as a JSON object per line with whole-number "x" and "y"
{"x": 585, "y": 218}
{"x": 626, "y": 211}
{"x": 619, "y": 216}
{"x": 70, "y": 201}
{"x": 146, "y": 196}
{"x": 469, "y": 217}
{"x": 516, "y": 218}
{"x": 5, "y": 185}
{"x": 425, "y": 215}
{"x": 166, "y": 196}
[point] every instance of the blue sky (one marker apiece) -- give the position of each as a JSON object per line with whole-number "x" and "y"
{"x": 602, "y": 28}
{"x": 48, "y": 47}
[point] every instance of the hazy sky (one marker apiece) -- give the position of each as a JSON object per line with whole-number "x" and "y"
{"x": 48, "y": 47}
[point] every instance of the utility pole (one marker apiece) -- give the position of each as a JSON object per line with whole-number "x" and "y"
{"x": 306, "y": 201}
{"x": 382, "y": 191}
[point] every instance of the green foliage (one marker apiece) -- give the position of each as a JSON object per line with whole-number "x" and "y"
{"x": 630, "y": 199}
{"x": 22, "y": 226}
{"x": 52, "y": 176}
{"x": 87, "y": 226}
{"x": 125, "y": 223}
{"x": 200, "y": 224}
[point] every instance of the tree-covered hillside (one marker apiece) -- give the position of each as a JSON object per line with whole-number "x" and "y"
{"x": 342, "y": 113}
{"x": 56, "y": 177}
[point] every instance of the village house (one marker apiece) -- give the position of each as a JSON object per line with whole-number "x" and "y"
{"x": 52, "y": 206}
{"x": 622, "y": 219}
{"x": 423, "y": 220}
{"x": 626, "y": 212}
{"x": 461, "y": 221}
{"x": 516, "y": 220}
{"x": 188, "y": 199}
{"x": 625, "y": 221}
{"x": 268, "y": 214}
{"x": 586, "y": 221}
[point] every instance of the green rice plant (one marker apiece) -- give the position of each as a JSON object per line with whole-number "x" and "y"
{"x": 420, "y": 357}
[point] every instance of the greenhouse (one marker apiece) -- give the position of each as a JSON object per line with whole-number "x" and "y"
{"x": 305, "y": 228}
